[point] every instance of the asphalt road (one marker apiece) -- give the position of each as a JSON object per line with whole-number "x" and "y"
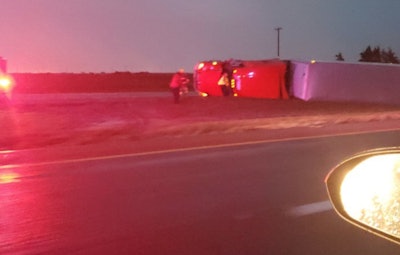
{"x": 264, "y": 198}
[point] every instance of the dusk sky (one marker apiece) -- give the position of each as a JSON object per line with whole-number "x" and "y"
{"x": 164, "y": 35}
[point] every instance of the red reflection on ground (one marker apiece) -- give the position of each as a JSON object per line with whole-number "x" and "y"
{"x": 9, "y": 177}
{"x": 23, "y": 213}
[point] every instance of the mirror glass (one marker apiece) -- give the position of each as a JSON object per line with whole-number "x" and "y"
{"x": 370, "y": 193}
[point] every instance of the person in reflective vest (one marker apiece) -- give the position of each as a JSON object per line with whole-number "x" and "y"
{"x": 224, "y": 84}
{"x": 178, "y": 80}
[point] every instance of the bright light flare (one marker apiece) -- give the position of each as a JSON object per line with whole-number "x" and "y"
{"x": 200, "y": 66}
{"x": 6, "y": 83}
{"x": 373, "y": 181}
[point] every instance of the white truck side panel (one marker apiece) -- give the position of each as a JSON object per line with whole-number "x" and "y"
{"x": 341, "y": 81}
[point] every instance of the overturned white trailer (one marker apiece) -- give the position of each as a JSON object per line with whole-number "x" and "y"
{"x": 342, "y": 81}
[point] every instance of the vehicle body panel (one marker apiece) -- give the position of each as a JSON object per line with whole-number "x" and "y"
{"x": 255, "y": 78}
{"x": 205, "y": 78}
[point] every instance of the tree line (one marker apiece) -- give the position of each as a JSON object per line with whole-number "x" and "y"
{"x": 375, "y": 54}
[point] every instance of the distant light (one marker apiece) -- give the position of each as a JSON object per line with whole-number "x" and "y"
{"x": 250, "y": 74}
{"x": 200, "y": 66}
{"x": 313, "y": 61}
{"x": 202, "y": 94}
{"x": 5, "y": 83}
{"x": 214, "y": 63}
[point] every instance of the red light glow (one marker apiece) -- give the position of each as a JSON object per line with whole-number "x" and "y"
{"x": 5, "y": 83}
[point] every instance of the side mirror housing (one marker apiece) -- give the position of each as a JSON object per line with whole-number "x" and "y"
{"x": 365, "y": 190}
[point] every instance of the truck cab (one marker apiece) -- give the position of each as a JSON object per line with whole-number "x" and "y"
{"x": 248, "y": 78}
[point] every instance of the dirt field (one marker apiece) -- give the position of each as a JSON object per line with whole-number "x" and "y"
{"x": 38, "y": 83}
{"x": 122, "y": 117}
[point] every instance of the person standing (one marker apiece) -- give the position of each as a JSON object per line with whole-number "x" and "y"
{"x": 178, "y": 80}
{"x": 224, "y": 84}
{"x": 228, "y": 68}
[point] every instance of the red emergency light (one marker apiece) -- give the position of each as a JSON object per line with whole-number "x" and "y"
{"x": 6, "y": 83}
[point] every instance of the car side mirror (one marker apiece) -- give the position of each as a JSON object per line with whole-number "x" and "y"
{"x": 365, "y": 190}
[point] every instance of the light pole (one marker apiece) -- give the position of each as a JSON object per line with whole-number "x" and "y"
{"x": 278, "y": 29}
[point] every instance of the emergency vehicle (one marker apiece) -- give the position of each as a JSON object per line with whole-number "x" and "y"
{"x": 249, "y": 78}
